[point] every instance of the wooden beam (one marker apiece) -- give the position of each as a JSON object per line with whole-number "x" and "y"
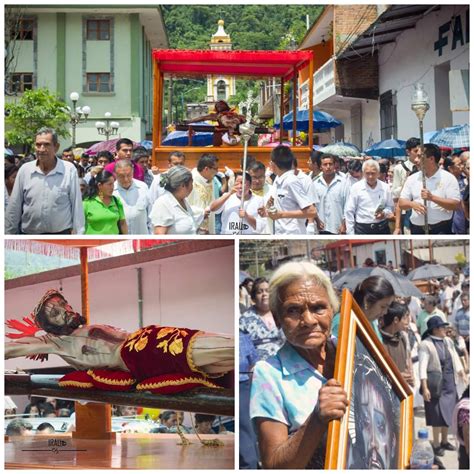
{"x": 295, "y": 86}
{"x": 198, "y": 400}
{"x": 310, "y": 103}
{"x": 282, "y": 108}
{"x": 156, "y": 110}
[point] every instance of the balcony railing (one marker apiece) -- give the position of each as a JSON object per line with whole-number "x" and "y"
{"x": 324, "y": 84}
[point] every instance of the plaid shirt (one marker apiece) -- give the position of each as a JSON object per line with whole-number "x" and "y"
{"x": 461, "y": 322}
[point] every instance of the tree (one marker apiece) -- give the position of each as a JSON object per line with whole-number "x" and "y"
{"x": 35, "y": 109}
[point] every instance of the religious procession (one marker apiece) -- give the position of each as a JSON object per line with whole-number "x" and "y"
{"x": 218, "y": 152}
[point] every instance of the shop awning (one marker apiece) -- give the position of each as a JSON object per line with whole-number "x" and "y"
{"x": 237, "y": 63}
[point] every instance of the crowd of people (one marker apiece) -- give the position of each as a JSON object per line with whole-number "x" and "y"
{"x": 132, "y": 419}
{"x": 288, "y": 342}
{"x": 123, "y": 193}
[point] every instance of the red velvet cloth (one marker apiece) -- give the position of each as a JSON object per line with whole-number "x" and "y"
{"x": 235, "y": 63}
{"x": 156, "y": 350}
{"x": 174, "y": 383}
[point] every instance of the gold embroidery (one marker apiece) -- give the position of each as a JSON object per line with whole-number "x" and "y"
{"x": 73, "y": 383}
{"x": 174, "y": 343}
{"x": 183, "y": 381}
{"x": 108, "y": 381}
{"x": 138, "y": 340}
{"x": 189, "y": 355}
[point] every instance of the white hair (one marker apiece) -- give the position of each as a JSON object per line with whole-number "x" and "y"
{"x": 294, "y": 271}
{"x": 370, "y": 164}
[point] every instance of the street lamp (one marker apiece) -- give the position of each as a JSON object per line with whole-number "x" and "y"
{"x": 107, "y": 128}
{"x": 420, "y": 105}
{"x": 77, "y": 115}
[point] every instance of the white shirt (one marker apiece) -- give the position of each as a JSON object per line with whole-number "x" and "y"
{"x": 136, "y": 205}
{"x": 400, "y": 175}
{"x": 363, "y": 201}
{"x": 232, "y": 224}
{"x": 155, "y": 190}
{"x": 45, "y": 203}
{"x": 330, "y": 201}
{"x": 289, "y": 195}
{"x": 441, "y": 184}
{"x": 168, "y": 212}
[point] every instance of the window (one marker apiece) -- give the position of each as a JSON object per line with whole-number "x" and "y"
{"x": 98, "y": 30}
{"x": 380, "y": 257}
{"x": 24, "y": 30}
{"x": 388, "y": 116}
{"x": 98, "y": 82}
{"x": 221, "y": 90}
{"x": 21, "y": 81}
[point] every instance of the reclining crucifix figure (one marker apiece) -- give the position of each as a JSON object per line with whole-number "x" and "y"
{"x": 153, "y": 351}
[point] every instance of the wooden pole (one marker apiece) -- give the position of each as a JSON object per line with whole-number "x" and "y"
{"x": 412, "y": 256}
{"x": 295, "y": 86}
{"x": 395, "y": 252}
{"x": 282, "y": 108}
{"x": 93, "y": 420}
{"x": 430, "y": 249}
{"x": 310, "y": 103}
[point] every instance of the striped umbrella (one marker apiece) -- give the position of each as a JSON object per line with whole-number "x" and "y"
{"x": 452, "y": 137}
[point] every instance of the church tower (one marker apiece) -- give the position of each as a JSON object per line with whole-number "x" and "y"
{"x": 220, "y": 87}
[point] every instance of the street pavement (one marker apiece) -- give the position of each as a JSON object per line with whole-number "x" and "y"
{"x": 450, "y": 458}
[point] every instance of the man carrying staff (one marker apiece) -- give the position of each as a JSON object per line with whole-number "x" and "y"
{"x": 442, "y": 196}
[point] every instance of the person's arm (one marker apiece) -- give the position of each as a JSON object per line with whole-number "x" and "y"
{"x": 280, "y": 451}
{"x": 398, "y": 220}
{"x": 28, "y": 346}
{"x": 160, "y": 230}
{"x": 424, "y": 356}
{"x": 15, "y": 207}
{"x": 349, "y": 212}
{"x": 75, "y": 196}
{"x": 405, "y": 204}
{"x": 250, "y": 219}
{"x": 306, "y": 213}
{"x": 219, "y": 202}
{"x": 123, "y": 226}
{"x": 445, "y": 203}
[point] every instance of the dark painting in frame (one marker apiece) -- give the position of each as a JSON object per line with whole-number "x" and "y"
{"x": 377, "y": 428}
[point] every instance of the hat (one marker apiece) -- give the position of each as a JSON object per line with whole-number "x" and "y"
{"x": 433, "y": 323}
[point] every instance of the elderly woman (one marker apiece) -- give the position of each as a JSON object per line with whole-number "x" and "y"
{"x": 259, "y": 324}
{"x": 293, "y": 393}
{"x": 171, "y": 212}
{"x": 442, "y": 381}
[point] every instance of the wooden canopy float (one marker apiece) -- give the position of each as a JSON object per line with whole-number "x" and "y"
{"x": 253, "y": 64}
{"x": 198, "y": 400}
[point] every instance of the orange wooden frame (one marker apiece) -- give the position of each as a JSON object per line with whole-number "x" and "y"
{"x": 354, "y": 324}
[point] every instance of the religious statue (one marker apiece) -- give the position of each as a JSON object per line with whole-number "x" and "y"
{"x": 228, "y": 121}
{"x": 154, "y": 358}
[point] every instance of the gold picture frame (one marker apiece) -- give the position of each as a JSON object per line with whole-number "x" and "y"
{"x": 359, "y": 347}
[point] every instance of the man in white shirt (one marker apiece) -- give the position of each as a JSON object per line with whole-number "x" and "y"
{"x": 237, "y": 221}
{"x": 289, "y": 205}
{"x": 442, "y": 196}
{"x": 134, "y": 196}
{"x": 330, "y": 192}
{"x": 46, "y": 197}
{"x": 370, "y": 203}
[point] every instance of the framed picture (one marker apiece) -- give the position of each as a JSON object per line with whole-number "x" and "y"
{"x": 377, "y": 430}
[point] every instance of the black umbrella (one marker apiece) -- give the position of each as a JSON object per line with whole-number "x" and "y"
{"x": 430, "y": 270}
{"x": 401, "y": 284}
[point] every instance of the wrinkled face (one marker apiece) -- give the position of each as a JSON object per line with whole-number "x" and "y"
{"x": 379, "y": 308}
{"x": 371, "y": 175}
{"x": 262, "y": 296}
{"x": 124, "y": 176}
{"x": 68, "y": 156}
{"x": 44, "y": 147}
{"x": 58, "y": 312}
{"x": 377, "y": 438}
{"x": 306, "y": 314}
{"x": 258, "y": 179}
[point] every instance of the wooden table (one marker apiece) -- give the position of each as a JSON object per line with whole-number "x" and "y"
{"x": 129, "y": 451}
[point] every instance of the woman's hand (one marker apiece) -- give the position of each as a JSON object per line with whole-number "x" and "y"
{"x": 426, "y": 395}
{"x": 332, "y": 402}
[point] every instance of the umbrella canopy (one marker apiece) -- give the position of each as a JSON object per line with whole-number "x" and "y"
{"x": 341, "y": 149}
{"x": 321, "y": 121}
{"x": 401, "y": 284}
{"x": 430, "y": 270}
{"x": 387, "y": 148}
{"x": 178, "y": 138}
{"x": 108, "y": 145}
{"x": 452, "y": 137}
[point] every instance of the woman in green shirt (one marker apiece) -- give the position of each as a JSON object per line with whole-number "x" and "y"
{"x": 103, "y": 212}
